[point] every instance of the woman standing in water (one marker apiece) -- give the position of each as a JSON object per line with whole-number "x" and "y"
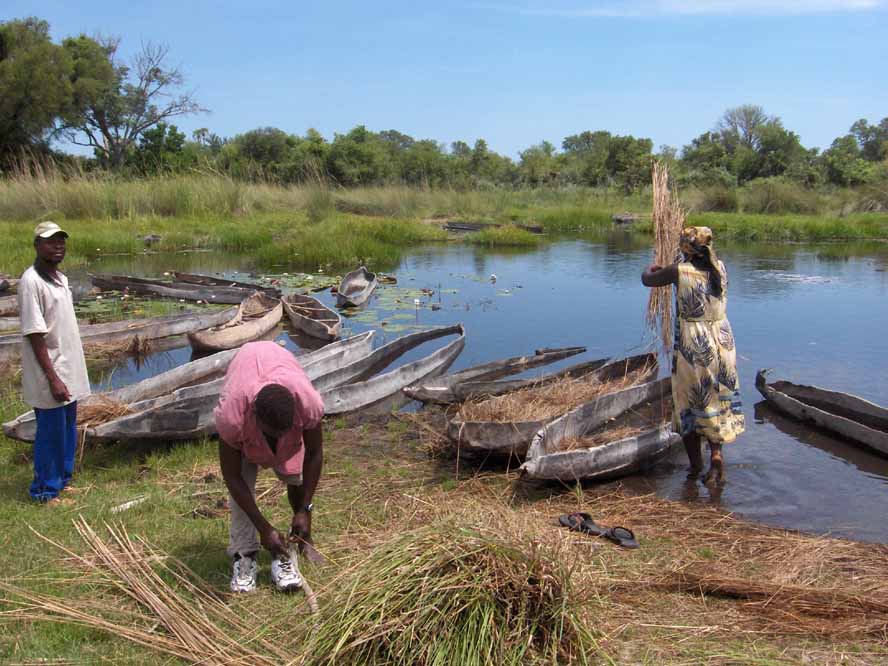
{"x": 705, "y": 389}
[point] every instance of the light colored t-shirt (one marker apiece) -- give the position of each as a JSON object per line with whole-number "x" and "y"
{"x": 49, "y": 309}
{"x": 256, "y": 365}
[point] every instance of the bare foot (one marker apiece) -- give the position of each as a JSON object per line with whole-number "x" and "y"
{"x": 716, "y": 470}
{"x": 694, "y": 471}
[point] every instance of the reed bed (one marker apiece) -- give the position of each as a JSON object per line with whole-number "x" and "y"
{"x": 446, "y": 595}
{"x": 548, "y": 400}
{"x": 668, "y": 219}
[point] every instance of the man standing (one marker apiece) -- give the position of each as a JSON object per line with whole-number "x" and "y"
{"x": 269, "y": 415}
{"x": 53, "y": 367}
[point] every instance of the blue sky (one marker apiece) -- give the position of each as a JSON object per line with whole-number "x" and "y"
{"x": 513, "y": 72}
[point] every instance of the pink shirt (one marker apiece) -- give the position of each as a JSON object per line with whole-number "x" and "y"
{"x": 256, "y": 365}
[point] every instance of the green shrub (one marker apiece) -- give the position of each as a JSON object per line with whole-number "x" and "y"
{"x": 777, "y": 196}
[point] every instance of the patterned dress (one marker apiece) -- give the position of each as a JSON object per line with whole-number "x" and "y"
{"x": 705, "y": 388}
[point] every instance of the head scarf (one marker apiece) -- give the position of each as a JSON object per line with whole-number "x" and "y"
{"x": 697, "y": 242}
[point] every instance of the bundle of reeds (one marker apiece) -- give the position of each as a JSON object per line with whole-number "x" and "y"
{"x": 548, "y": 400}
{"x": 451, "y": 595}
{"x": 630, "y": 424}
{"x": 668, "y": 219}
{"x": 166, "y": 611}
{"x": 99, "y": 409}
{"x": 603, "y": 436}
{"x": 134, "y": 347}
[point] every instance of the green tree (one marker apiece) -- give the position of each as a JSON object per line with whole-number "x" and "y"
{"x": 136, "y": 98}
{"x": 872, "y": 139}
{"x": 160, "y": 149}
{"x": 358, "y": 158}
{"x": 739, "y": 126}
{"x": 538, "y": 165}
{"x": 844, "y": 164}
{"x": 35, "y": 86}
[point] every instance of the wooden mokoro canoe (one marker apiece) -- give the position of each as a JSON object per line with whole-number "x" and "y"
{"x": 9, "y": 324}
{"x": 848, "y": 416}
{"x": 648, "y": 406}
{"x": 479, "y": 226}
{"x": 476, "y": 389}
{"x": 355, "y": 288}
{"x": 311, "y": 317}
{"x": 180, "y": 290}
{"x": 9, "y": 306}
{"x": 8, "y": 285}
{"x": 118, "y": 332}
{"x": 382, "y": 393}
{"x": 209, "y": 281}
{"x": 514, "y": 437}
{"x": 441, "y": 390}
{"x": 204, "y": 371}
{"x": 255, "y": 317}
{"x": 188, "y": 412}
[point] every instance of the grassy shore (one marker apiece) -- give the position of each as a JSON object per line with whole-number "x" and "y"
{"x": 378, "y": 484}
{"x": 306, "y": 227}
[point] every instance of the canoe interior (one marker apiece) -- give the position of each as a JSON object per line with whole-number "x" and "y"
{"x": 631, "y": 423}
{"x": 311, "y": 308}
{"x": 840, "y": 404}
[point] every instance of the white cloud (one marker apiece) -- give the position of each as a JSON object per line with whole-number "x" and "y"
{"x": 648, "y": 8}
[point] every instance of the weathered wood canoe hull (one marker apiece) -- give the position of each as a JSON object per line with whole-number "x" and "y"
{"x": 209, "y": 281}
{"x": 382, "y": 393}
{"x": 441, "y": 390}
{"x": 514, "y": 438}
{"x": 152, "y": 328}
{"x": 355, "y": 288}
{"x": 848, "y": 416}
{"x": 615, "y": 458}
{"x": 473, "y": 389}
{"x": 180, "y": 290}
{"x": 311, "y": 317}
{"x": 325, "y": 361}
{"x": 9, "y": 306}
{"x": 230, "y": 336}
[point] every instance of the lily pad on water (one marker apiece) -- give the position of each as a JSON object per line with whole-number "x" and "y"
{"x": 300, "y": 281}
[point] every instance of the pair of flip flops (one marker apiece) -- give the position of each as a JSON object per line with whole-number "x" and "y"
{"x": 582, "y": 522}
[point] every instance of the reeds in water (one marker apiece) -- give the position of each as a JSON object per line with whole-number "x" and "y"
{"x": 668, "y": 219}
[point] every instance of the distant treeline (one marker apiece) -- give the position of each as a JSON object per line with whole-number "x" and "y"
{"x": 79, "y": 91}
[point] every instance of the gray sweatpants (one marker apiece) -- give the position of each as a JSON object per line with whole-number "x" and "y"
{"x": 242, "y": 535}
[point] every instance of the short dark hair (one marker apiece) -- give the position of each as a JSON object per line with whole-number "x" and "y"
{"x": 276, "y": 406}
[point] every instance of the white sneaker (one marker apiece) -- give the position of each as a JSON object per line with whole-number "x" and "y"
{"x": 244, "y": 577}
{"x": 285, "y": 574}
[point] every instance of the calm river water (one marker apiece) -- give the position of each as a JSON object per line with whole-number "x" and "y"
{"x": 815, "y": 314}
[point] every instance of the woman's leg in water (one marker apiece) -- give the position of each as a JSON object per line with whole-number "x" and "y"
{"x": 716, "y": 464}
{"x": 695, "y": 453}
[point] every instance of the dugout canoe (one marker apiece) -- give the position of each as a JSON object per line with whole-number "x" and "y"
{"x": 9, "y": 306}
{"x": 648, "y": 407}
{"x": 476, "y": 389}
{"x": 255, "y": 317}
{"x": 848, "y": 416}
{"x": 210, "y": 281}
{"x": 382, "y": 393}
{"x": 443, "y": 390}
{"x": 180, "y": 290}
{"x": 8, "y": 285}
{"x": 202, "y": 372}
{"x": 514, "y": 437}
{"x": 132, "y": 332}
{"x": 355, "y": 288}
{"x": 9, "y": 324}
{"x": 311, "y": 317}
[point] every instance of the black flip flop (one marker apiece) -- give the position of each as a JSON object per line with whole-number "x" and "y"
{"x": 581, "y": 522}
{"x": 622, "y": 536}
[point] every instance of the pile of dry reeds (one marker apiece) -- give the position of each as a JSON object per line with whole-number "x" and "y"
{"x": 99, "y": 409}
{"x": 668, "y": 219}
{"x": 448, "y": 595}
{"x": 548, "y": 400}
{"x": 601, "y": 437}
{"x": 157, "y": 604}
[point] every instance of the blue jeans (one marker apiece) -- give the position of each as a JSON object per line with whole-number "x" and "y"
{"x": 54, "y": 447}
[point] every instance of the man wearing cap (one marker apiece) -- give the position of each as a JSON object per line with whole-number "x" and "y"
{"x": 269, "y": 415}
{"x": 53, "y": 367}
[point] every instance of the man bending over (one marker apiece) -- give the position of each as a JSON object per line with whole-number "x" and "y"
{"x": 269, "y": 415}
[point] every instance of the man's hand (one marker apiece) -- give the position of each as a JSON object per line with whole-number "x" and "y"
{"x": 273, "y": 542}
{"x": 58, "y": 389}
{"x": 300, "y": 531}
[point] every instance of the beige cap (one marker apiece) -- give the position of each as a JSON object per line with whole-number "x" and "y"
{"x": 48, "y": 229}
